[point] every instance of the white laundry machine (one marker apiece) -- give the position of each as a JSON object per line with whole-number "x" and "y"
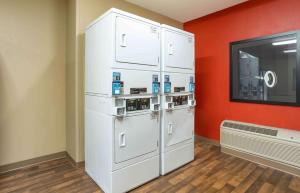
{"x": 177, "y": 98}
{"x": 122, "y": 101}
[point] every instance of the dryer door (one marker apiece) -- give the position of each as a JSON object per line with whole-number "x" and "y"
{"x": 135, "y": 136}
{"x": 137, "y": 42}
{"x": 179, "y": 126}
{"x": 179, "y": 50}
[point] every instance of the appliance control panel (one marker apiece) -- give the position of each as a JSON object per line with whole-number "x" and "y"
{"x": 122, "y": 106}
{"x": 172, "y": 101}
{"x": 180, "y": 100}
{"x": 137, "y": 104}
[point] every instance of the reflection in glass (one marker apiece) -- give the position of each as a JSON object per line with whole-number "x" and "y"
{"x": 265, "y": 70}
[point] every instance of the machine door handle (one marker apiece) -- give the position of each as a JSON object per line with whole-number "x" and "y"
{"x": 122, "y": 140}
{"x": 171, "y": 49}
{"x": 170, "y": 128}
{"x": 123, "y": 40}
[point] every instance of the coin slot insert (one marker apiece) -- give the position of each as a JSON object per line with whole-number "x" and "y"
{"x": 179, "y": 89}
{"x": 138, "y": 90}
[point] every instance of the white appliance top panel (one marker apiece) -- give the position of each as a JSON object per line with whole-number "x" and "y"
{"x": 124, "y": 13}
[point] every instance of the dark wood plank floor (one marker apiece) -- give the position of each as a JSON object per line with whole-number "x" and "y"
{"x": 212, "y": 171}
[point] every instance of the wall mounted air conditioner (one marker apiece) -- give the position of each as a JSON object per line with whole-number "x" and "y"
{"x": 278, "y": 148}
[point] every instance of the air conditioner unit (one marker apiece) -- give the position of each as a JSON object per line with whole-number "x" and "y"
{"x": 267, "y": 145}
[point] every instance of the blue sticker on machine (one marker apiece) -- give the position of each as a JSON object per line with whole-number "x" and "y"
{"x": 116, "y": 88}
{"x": 116, "y": 84}
{"x": 192, "y": 87}
{"x": 167, "y": 88}
{"x": 192, "y": 84}
{"x": 155, "y": 87}
{"x": 167, "y": 78}
{"x": 154, "y": 78}
{"x": 167, "y": 83}
{"x": 155, "y": 84}
{"x": 116, "y": 76}
{"x": 191, "y": 79}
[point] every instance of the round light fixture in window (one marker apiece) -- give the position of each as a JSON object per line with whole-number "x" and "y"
{"x": 270, "y": 79}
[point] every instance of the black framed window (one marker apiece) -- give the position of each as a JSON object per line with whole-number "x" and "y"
{"x": 266, "y": 69}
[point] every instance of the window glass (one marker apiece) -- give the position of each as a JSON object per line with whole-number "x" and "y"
{"x": 265, "y": 70}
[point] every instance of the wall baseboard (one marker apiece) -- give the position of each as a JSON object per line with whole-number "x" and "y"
{"x": 253, "y": 158}
{"x": 74, "y": 163}
{"x": 262, "y": 161}
{"x": 207, "y": 140}
{"x": 33, "y": 161}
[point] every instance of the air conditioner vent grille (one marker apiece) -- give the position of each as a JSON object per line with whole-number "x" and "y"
{"x": 274, "y": 149}
{"x": 250, "y": 128}
{"x": 244, "y": 137}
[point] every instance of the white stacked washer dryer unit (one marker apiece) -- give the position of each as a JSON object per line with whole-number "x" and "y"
{"x": 122, "y": 101}
{"x": 177, "y": 99}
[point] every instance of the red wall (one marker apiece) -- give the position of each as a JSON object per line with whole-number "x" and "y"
{"x": 213, "y": 33}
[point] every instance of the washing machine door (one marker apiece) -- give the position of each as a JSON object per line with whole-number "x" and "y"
{"x": 179, "y": 126}
{"x": 135, "y": 136}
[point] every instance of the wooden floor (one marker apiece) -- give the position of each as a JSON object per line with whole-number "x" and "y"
{"x": 212, "y": 171}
